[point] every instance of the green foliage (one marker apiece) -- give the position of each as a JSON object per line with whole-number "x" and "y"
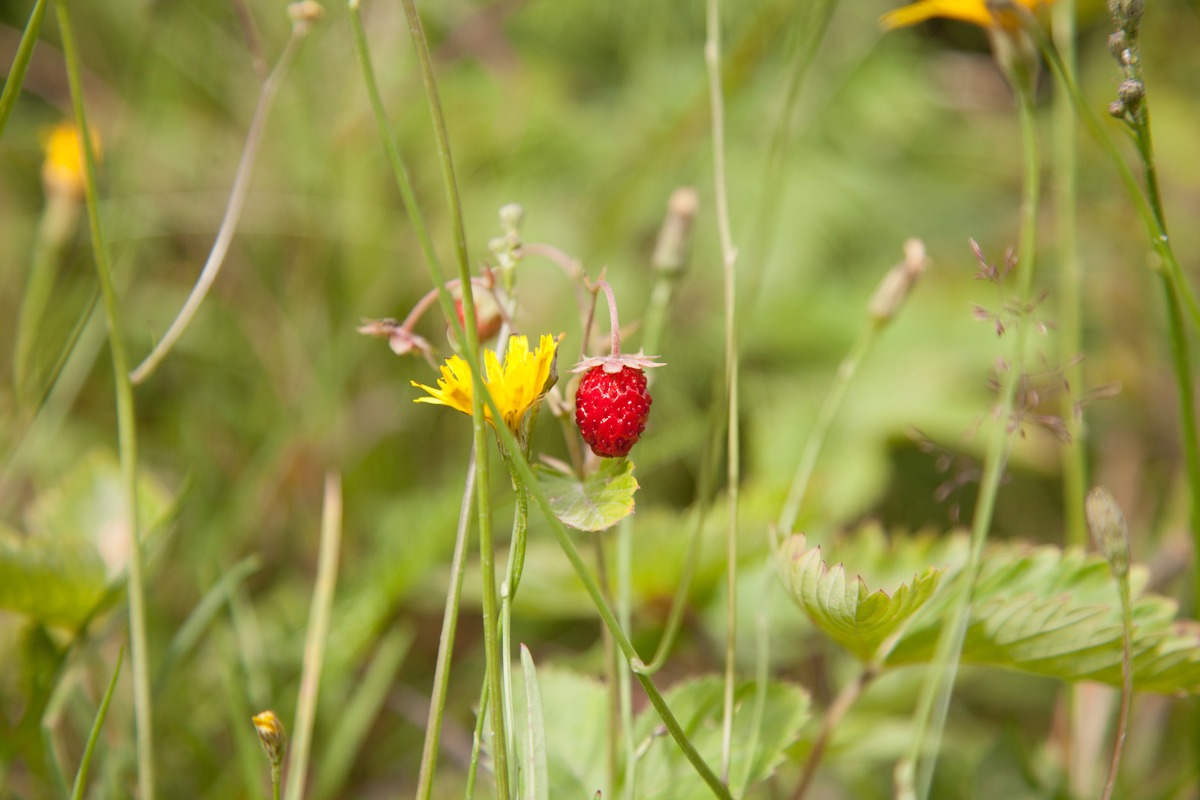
{"x": 1036, "y": 609}
{"x": 596, "y": 503}
{"x": 662, "y": 773}
{"x": 535, "y": 781}
{"x": 76, "y": 544}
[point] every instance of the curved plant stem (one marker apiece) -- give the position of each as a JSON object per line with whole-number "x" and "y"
{"x": 314, "y": 639}
{"x": 126, "y": 422}
{"x": 16, "y": 73}
{"x": 914, "y": 774}
{"x": 824, "y": 422}
{"x": 712, "y": 56}
{"x": 233, "y": 210}
{"x": 845, "y": 700}
{"x": 611, "y": 670}
{"x": 441, "y": 672}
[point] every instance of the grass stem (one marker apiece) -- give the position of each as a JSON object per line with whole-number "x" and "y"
{"x": 233, "y": 209}
{"x": 16, "y": 73}
{"x": 712, "y": 56}
{"x": 314, "y": 639}
{"x": 126, "y": 420}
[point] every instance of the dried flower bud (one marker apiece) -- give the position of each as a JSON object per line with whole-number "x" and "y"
{"x": 271, "y": 735}
{"x": 1117, "y": 44}
{"x": 305, "y": 14}
{"x": 1130, "y": 93}
{"x": 1109, "y": 530}
{"x": 675, "y": 238}
{"x": 898, "y": 282}
{"x": 1117, "y": 109}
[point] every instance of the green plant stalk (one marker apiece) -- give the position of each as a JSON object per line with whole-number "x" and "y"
{"x": 233, "y": 209}
{"x": 276, "y": 776}
{"x": 824, "y": 423}
{"x": 16, "y": 74}
{"x": 314, "y": 639}
{"x": 712, "y": 56}
{"x": 487, "y": 558}
{"x": 441, "y": 671}
{"x": 934, "y": 699}
{"x": 1180, "y": 296}
{"x": 56, "y": 225}
{"x": 762, "y": 674}
{"x": 1155, "y": 227}
{"x": 625, "y": 619}
{"x": 477, "y": 742}
{"x": 508, "y": 590}
{"x": 611, "y": 671}
{"x": 845, "y": 700}
{"x": 388, "y": 136}
{"x": 1070, "y": 283}
{"x": 126, "y": 420}
{"x": 524, "y": 474}
{"x": 81, "y": 776}
{"x": 1114, "y": 764}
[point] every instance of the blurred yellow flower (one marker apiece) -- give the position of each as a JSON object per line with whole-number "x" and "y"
{"x": 984, "y": 13}
{"x": 516, "y": 387}
{"x": 62, "y": 171}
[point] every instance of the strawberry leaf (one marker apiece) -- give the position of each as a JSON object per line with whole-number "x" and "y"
{"x": 596, "y": 503}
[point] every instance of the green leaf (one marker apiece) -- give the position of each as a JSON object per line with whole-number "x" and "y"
{"x": 1036, "y": 609}
{"x": 596, "y": 503}
{"x": 77, "y": 543}
{"x": 844, "y": 608}
{"x": 663, "y": 773}
{"x": 55, "y": 581}
{"x": 535, "y": 781}
{"x": 574, "y": 742}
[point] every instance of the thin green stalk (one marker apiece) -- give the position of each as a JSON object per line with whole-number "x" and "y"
{"x": 491, "y": 633}
{"x": 477, "y": 742}
{"x": 1155, "y": 228}
{"x": 16, "y": 74}
{"x": 1114, "y": 764}
{"x": 1070, "y": 283}
{"x": 126, "y": 420}
{"x": 407, "y": 195}
{"x": 625, "y": 618}
{"x": 611, "y": 671}
{"x": 845, "y": 700}
{"x": 318, "y": 630}
{"x": 712, "y": 55}
{"x": 762, "y": 673}
{"x": 233, "y": 209}
{"x": 915, "y": 773}
{"x": 441, "y": 671}
{"x": 824, "y": 422}
{"x": 524, "y": 474}
{"x": 84, "y": 763}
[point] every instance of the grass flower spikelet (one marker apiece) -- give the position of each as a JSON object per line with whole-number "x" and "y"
{"x": 516, "y": 386}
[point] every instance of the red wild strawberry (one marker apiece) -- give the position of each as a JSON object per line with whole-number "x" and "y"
{"x": 612, "y": 404}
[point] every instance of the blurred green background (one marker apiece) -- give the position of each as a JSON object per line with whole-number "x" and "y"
{"x": 588, "y": 114}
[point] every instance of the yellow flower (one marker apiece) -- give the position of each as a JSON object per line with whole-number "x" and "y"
{"x": 271, "y": 735}
{"x": 62, "y": 171}
{"x": 984, "y": 13}
{"x": 516, "y": 387}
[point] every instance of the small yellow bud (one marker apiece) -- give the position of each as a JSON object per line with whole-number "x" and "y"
{"x": 63, "y": 169}
{"x": 271, "y": 734}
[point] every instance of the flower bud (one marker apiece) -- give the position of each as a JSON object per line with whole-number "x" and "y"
{"x": 304, "y": 14}
{"x": 1109, "y": 531}
{"x": 1130, "y": 93}
{"x": 898, "y": 282}
{"x": 675, "y": 238}
{"x": 1117, "y": 109}
{"x": 63, "y": 169}
{"x": 1117, "y": 44}
{"x": 271, "y": 735}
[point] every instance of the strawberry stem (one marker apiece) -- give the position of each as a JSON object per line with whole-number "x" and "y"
{"x": 612, "y": 315}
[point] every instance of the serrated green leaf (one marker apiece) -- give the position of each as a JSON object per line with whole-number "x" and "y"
{"x": 663, "y": 773}
{"x": 1057, "y": 614}
{"x": 1039, "y": 610}
{"x": 596, "y": 503}
{"x": 844, "y": 608}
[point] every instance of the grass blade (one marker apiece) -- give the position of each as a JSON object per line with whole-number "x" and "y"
{"x": 85, "y": 762}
